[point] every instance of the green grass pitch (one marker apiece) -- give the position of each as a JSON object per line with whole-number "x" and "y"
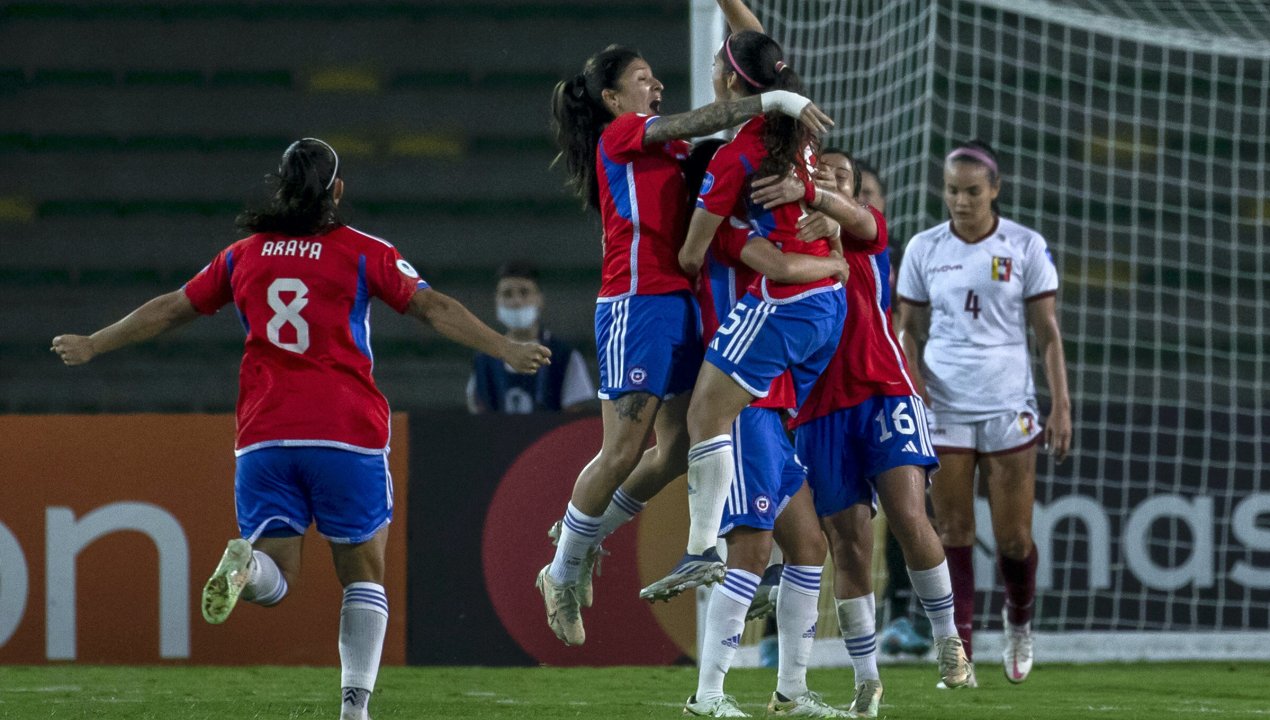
{"x": 1112, "y": 691}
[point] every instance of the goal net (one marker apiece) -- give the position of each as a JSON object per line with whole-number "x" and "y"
{"x": 1133, "y": 136}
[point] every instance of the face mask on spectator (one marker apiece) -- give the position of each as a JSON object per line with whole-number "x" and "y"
{"x": 518, "y": 318}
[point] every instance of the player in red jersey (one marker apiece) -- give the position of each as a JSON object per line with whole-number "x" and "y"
{"x": 863, "y": 434}
{"x": 776, "y": 326}
{"x": 312, "y": 439}
{"x": 623, "y": 160}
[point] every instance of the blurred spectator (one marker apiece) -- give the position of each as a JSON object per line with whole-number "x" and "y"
{"x": 564, "y": 385}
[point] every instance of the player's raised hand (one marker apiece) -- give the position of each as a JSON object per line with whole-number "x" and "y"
{"x": 798, "y": 107}
{"x": 776, "y": 190}
{"x": 1058, "y": 434}
{"x": 74, "y": 349}
{"x": 815, "y": 119}
{"x": 527, "y": 357}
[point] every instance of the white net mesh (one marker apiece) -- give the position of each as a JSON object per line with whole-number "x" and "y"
{"x": 1133, "y": 136}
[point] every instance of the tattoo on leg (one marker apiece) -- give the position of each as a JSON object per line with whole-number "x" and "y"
{"x": 631, "y": 405}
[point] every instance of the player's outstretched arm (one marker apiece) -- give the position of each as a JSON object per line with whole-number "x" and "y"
{"x": 792, "y": 268}
{"x": 1043, "y": 317}
{"x": 724, "y": 114}
{"x": 739, "y": 16}
{"x": 851, "y": 216}
{"x": 457, "y": 323}
{"x": 159, "y": 315}
{"x": 701, "y": 229}
{"x": 914, "y": 329}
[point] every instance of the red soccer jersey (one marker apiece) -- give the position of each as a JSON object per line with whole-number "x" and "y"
{"x": 724, "y": 279}
{"x": 725, "y": 191}
{"x": 869, "y": 361}
{"x": 643, "y": 202}
{"x": 305, "y": 377}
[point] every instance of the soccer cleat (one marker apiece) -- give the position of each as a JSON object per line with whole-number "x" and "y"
{"x": 1017, "y": 656}
{"x": 722, "y": 706}
{"x": 808, "y": 704}
{"x": 563, "y": 614}
{"x": 971, "y": 684}
{"x": 955, "y": 671}
{"x": 901, "y": 637}
{"x": 868, "y": 696}
{"x": 590, "y": 565}
{"x": 692, "y": 571}
{"x": 221, "y": 592}
{"x": 764, "y": 602}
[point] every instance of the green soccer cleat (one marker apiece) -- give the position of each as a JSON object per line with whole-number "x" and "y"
{"x": 722, "y": 706}
{"x": 808, "y": 704}
{"x": 221, "y": 592}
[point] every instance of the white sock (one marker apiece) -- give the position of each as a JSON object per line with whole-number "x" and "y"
{"x": 934, "y": 588}
{"x": 363, "y": 623}
{"x": 859, "y": 632}
{"x": 710, "y": 475}
{"x": 725, "y": 618}
{"x": 621, "y": 510}
{"x": 577, "y": 537}
{"x": 267, "y": 585}
{"x": 796, "y": 615}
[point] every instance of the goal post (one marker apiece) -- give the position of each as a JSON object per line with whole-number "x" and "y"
{"x": 1133, "y": 136}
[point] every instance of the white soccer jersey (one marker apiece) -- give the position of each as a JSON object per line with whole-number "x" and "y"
{"x": 976, "y": 361}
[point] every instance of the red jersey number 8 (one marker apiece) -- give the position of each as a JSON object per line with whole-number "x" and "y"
{"x": 288, "y": 313}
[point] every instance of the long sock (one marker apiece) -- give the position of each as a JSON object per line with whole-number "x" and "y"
{"x": 577, "y": 537}
{"x": 935, "y": 590}
{"x": 961, "y": 568}
{"x": 621, "y": 510}
{"x": 1020, "y": 586}
{"x": 859, "y": 632}
{"x": 363, "y": 622}
{"x": 796, "y": 614}
{"x": 267, "y": 585}
{"x": 710, "y": 475}
{"x": 724, "y": 620}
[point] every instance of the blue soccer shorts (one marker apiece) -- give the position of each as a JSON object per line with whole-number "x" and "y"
{"x": 846, "y": 450}
{"x": 768, "y": 473}
{"x": 279, "y": 491}
{"x": 648, "y": 343}
{"x": 761, "y": 340}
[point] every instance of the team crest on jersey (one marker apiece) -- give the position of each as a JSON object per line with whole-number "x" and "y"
{"x": 1001, "y": 268}
{"x": 762, "y": 504}
{"x": 407, "y": 269}
{"x": 1026, "y": 423}
{"x": 637, "y": 375}
{"x": 707, "y": 182}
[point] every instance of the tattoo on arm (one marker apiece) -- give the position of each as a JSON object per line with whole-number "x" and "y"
{"x": 704, "y": 120}
{"x": 631, "y": 405}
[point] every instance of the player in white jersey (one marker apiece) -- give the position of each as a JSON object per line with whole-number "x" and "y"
{"x": 969, "y": 289}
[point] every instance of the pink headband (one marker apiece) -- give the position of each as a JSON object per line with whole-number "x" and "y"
{"x": 727, "y": 47}
{"x": 974, "y": 154}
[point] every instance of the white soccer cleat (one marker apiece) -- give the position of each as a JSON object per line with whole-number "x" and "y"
{"x": 955, "y": 671}
{"x": 590, "y": 566}
{"x": 1017, "y": 656}
{"x": 221, "y": 592}
{"x": 868, "y": 698}
{"x": 808, "y": 704}
{"x": 722, "y": 706}
{"x": 563, "y": 614}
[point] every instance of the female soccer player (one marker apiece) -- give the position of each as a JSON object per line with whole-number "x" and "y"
{"x": 777, "y": 326}
{"x": 969, "y": 289}
{"x": 312, "y": 439}
{"x": 770, "y": 495}
{"x": 623, "y": 160}
{"x": 863, "y": 436}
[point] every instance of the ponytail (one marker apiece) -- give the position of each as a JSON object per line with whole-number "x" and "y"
{"x": 303, "y": 202}
{"x": 578, "y": 118}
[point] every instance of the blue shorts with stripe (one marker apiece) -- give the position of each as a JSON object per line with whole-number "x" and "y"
{"x": 768, "y": 473}
{"x": 280, "y": 491}
{"x": 761, "y": 340}
{"x": 648, "y": 343}
{"x": 846, "y": 450}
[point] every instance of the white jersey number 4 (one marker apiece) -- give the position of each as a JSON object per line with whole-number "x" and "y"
{"x": 288, "y": 313}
